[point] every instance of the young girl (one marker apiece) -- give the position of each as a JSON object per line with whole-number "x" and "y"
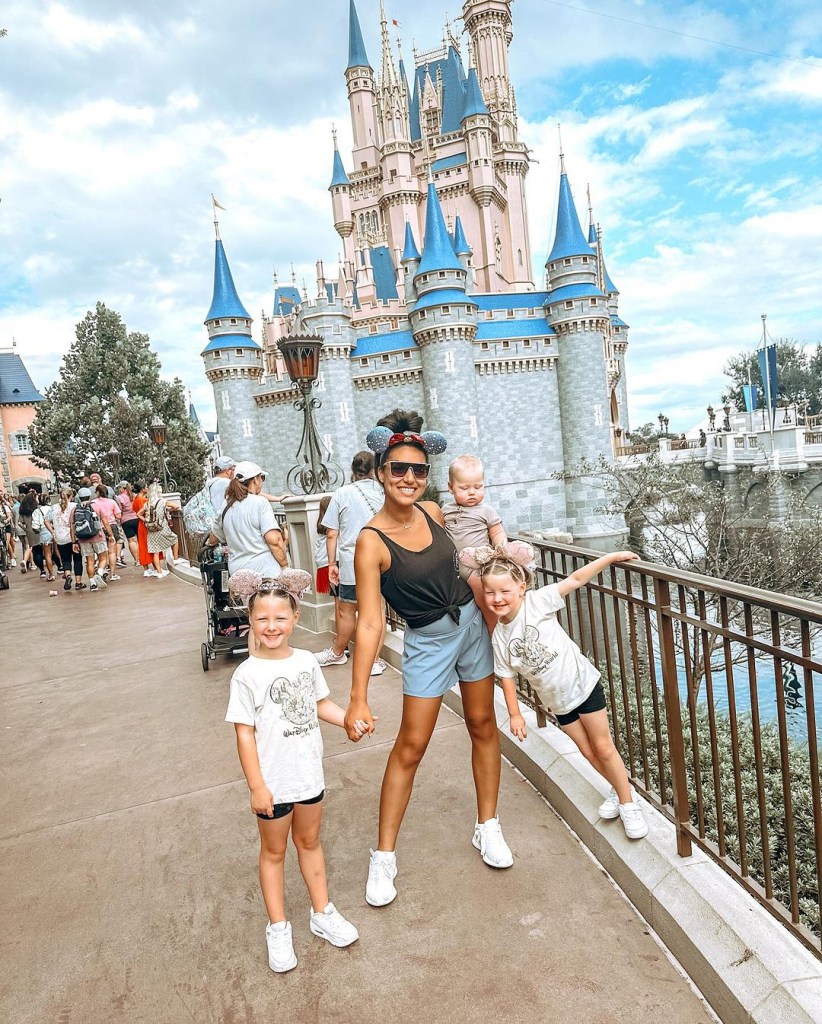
{"x": 321, "y": 551}
{"x": 276, "y": 701}
{"x": 529, "y": 640}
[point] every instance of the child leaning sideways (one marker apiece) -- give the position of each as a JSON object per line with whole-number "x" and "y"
{"x": 529, "y": 640}
{"x": 469, "y": 522}
{"x": 276, "y": 701}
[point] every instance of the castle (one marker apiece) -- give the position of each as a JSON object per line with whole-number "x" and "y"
{"x": 432, "y": 306}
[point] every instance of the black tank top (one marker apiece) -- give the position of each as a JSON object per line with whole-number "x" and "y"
{"x": 422, "y": 586}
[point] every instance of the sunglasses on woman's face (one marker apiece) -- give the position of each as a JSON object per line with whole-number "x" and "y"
{"x": 400, "y": 469}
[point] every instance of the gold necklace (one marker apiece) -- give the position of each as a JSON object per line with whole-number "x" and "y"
{"x": 405, "y": 526}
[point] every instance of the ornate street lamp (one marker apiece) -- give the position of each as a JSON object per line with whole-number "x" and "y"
{"x": 301, "y": 355}
{"x": 711, "y": 418}
{"x": 157, "y": 432}
{"x": 114, "y": 462}
{"x": 726, "y": 424}
{"x": 661, "y": 419}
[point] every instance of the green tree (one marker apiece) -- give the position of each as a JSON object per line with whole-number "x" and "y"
{"x": 799, "y": 376}
{"x": 108, "y": 391}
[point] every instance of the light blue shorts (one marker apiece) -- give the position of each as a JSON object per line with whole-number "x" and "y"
{"x": 436, "y": 656}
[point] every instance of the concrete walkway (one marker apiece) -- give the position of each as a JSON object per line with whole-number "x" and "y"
{"x": 128, "y": 887}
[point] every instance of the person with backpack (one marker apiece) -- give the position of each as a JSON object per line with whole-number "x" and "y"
{"x": 128, "y": 519}
{"x": 92, "y": 536}
{"x": 109, "y": 512}
{"x": 59, "y": 518}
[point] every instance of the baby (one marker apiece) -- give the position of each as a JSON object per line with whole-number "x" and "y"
{"x": 469, "y": 522}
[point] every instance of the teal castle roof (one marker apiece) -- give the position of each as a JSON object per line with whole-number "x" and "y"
{"x": 437, "y": 252}
{"x": 569, "y": 239}
{"x": 453, "y": 92}
{"x": 410, "y": 251}
{"x": 357, "y": 57}
{"x": 385, "y": 274}
{"x": 226, "y": 301}
{"x": 230, "y": 341}
{"x": 338, "y": 175}
{"x": 592, "y": 235}
{"x": 16, "y": 387}
{"x": 474, "y": 101}
{"x": 461, "y": 246}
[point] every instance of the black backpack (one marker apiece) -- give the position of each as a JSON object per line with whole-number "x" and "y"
{"x": 86, "y": 522}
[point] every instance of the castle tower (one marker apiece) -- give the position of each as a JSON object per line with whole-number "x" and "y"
{"x": 444, "y": 324}
{"x": 233, "y": 363}
{"x": 340, "y": 189}
{"x": 488, "y": 23}
{"x": 577, "y": 310}
{"x": 410, "y": 261}
{"x": 362, "y": 96}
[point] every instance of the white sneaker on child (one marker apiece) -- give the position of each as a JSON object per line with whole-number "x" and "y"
{"x": 609, "y": 808}
{"x": 281, "y": 956}
{"x": 635, "y": 825}
{"x": 329, "y": 924}
{"x": 382, "y": 870}
{"x": 488, "y": 839}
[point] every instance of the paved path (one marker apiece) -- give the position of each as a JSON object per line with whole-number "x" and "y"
{"x": 128, "y": 888}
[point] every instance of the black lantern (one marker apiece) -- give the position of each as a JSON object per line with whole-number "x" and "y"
{"x": 726, "y": 423}
{"x": 301, "y": 355}
{"x": 711, "y": 418}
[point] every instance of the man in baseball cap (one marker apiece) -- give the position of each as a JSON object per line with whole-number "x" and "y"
{"x": 224, "y": 467}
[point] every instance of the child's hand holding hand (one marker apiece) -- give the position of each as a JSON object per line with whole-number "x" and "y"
{"x": 262, "y": 802}
{"x": 517, "y": 726}
{"x": 361, "y": 729}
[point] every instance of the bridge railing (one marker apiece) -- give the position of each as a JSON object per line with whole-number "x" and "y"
{"x": 713, "y": 691}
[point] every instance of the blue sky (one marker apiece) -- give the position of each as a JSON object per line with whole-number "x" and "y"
{"x": 117, "y": 122}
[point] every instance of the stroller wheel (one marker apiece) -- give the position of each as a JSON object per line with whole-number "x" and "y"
{"x": 205, "y": 656}
{"x": 4, "y": 582}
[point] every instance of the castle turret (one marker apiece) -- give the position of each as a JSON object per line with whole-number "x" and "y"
{"x": 362, "y": 96}
{"x": 410, "y": 261}
{"x": 444, "y": 324}
{"x": 340, "y": 189}
{"x": 488, "y": 23}
{"x": 576, "y": 309}
{"x": 233, "y": 363}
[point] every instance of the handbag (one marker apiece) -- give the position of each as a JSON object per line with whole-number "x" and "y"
{"x": 198, "y": 514}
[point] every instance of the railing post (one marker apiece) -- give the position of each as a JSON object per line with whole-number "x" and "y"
{"x": 673, "y": 716}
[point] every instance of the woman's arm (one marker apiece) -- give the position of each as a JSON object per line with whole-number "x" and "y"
{"x": 367, "y": 569}
{"x": 262, "y": 801}
{"x": 276, "y": 544}
{"x": 328, "y": 711}
{"x": 587, "y": 572}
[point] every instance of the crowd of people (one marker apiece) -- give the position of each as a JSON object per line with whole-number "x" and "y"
{"x": 466, "y": 595}
{"x": 88, "y": 532}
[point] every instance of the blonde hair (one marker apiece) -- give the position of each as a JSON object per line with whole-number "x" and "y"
{"x": 286, "y": 595}
{"x": 500, "y": 565}
{"x": 464, "y": 463}
{"x": 65, "y": 498}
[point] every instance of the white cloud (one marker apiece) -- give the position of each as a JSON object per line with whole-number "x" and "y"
{"x": 73, "y": 31}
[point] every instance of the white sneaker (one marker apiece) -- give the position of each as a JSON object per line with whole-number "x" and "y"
{"x": 382, "y": 870}
{"x": 609, "y": 808}
{"x": 332, "y": 926}
{"x": 92, "y": 584}
{"x": 101, "y": 583}
{"x": 635, "y": 825}
{"x": 14, "y": 563}
{"x": 378, "y": 667}
{"x": 281, "y": 956}
{"x": 114, "y": 578}
{"x": 488, "y": 839}
{"x": 328, "y": 657}
{"x": 151, "y": 573}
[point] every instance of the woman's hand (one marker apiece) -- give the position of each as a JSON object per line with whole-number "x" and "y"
{"x": 517, "y": 726}
{"x": 359, "y": 720}
{"x": 262, "y": 802}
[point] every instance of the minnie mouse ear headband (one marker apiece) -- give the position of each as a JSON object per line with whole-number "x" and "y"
{"x": 380, "y": 439}
{"x": 515, "y": 551}
{"x": 244, "y": 584}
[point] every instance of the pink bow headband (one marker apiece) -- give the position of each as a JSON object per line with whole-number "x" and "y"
{"x": 515, "y": 551}
{"x": 244, "y": 584}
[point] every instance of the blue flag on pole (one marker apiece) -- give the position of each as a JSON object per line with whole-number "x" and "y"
{"x": 751, "y": 393}
{"x": 769, "y": 379}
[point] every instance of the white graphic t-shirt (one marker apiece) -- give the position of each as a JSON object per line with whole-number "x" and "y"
{"x": 534, "y": 645}
{"x": 279, "y": 698}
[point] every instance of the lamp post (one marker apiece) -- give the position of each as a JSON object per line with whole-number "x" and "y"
{"x": 301, "y": 354}
{"x": 157, "y": 431}
{"x": 711, "y": 418}
{"x": 114, "y": 462}
{"x": 726, "y": 423}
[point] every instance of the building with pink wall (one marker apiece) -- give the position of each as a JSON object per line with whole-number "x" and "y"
{"x": 18, "y": 405}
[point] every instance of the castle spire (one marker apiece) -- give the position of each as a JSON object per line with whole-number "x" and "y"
{"x": 461, "y": 246}
{"x": 569, "y": 239}
{"x": 389, "y": 69}
{"x": 474, "y": 102}
{"x": 225, "y": 302}
{"x": 592, "y": 231}
{"x": 437, "y": 252}
{"x": 338, "y": 177}
{"x": 357, "y": 57}
{"x": 410, "y": 251}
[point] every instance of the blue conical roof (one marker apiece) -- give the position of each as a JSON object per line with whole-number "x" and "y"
{"x": 410, "y": 251}
{"x": 461, "y": 246}
{"x": 226, "y": 301}
{"x": 569, "y": 239}
{"x": 610, "y": 287}
{"x": 474, "y": 102}
{"x": 592, "y": 234}
{"x": 357, "y": 57}
{"x": 437, "y": 251}
{"x": 338, "y": 176}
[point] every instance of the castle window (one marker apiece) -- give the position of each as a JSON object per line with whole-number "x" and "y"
{"x": 433, "y": 401}
{"x": 247, "y": 428}
{"x": 226, "y": 400}
{"x": 567, "y": 263}
{"x": 484, "y": 346}
{"x": 363, "y": 362}
{"x": 526, "y": 343}
{"x": 489, "y": 314}
{"x": 506, "y": 345}
{"x": 337, "y": 329}
{"x": 238, "y": 352}
{"x": 372, "y": 328}
{"x": 423, "y": 315}
{"x": 407, "y": 354}
{"x": 344, "y": 413}
{"x": 216, "y": 354}
{"x": 233, "y": 320}
{"x": 511, "y": 313}
{"x": 594, "y": 302}
{"x": 584, "y": 259}
{"x": 450, "y": 362}
{"x": 328, "y": 441}
{"x": 617, "y": 330}
{"x": 446, "y": 309}
{"x": 441, "y": 275}
{"x": 472, "y": 427}
{"x": 530, "y": 312}
{"x": 216, "y": 323}
{"x": 395, "y": 324}
{"x": 20, "y": 444}
{"x": 569, "y": 304}
{"x": 519, "y": 256}
{"x": 385, "y": 357}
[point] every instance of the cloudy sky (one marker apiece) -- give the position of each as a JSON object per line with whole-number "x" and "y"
{"x": 696, "y": 124}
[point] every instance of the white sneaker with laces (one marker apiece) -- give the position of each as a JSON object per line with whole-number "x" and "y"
{"x": 609, "y": 808}
{"x": 378, "y": 667}
{"x": 281, "y": 956}
{"x": 382, "y": 870}
{"x": 330, "y": 925}
{"x": 635, "y": 825}
{"x": 163, "y": 572}
{"x": 114, "y": 578}
{"x": 490, "y": 842}
{"x": 14, "y": 563}
{"x": 151, "y": 573}
{"x": 92, "y": 585}
{"x": 101, "y": 583}
{"x": 328, "y": 657}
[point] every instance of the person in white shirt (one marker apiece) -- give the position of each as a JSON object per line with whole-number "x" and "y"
{"x": 277, "y": 699}
{"x": 224, "y": 474}
{"x": 529, "y": 640}
{"x": 248, "y": 527}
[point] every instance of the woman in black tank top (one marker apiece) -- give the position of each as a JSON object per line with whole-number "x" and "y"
{"x": 405, "y": 556}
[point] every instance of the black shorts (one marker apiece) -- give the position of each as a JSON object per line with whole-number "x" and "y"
{"x": 280, "y": 810}
{"x": 595, "y": 701}
{"x": 130, "y": 527}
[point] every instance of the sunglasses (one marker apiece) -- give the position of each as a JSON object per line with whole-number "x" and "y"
{"x": 400, "y": 469}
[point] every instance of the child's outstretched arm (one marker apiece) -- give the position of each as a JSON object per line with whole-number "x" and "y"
{"x": 262, "y": 801}
{"x": 329, "y": 711}
{"x": 587, "y": 572}
{"x": 516, "y": 723}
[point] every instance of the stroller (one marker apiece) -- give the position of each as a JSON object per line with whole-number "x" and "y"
{"x": 4, "y": 564}
{"x": 226, "y": 623}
